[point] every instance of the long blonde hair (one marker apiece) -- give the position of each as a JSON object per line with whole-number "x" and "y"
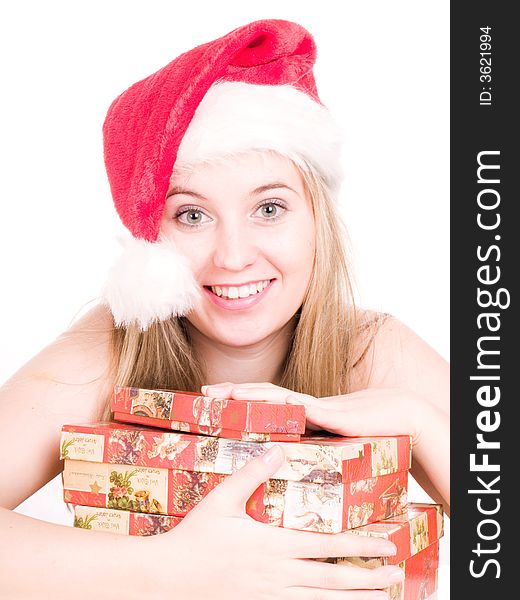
{"x": 325, "y": 344}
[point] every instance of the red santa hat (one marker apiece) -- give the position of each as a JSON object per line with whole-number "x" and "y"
{"x": 252, "y": 89}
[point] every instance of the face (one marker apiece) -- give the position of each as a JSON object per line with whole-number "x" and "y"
{"x": 247, "y": 228}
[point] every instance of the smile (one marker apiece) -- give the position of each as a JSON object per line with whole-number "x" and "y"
{"x": 240, "y": 291}
{"x": 239, "y": 297}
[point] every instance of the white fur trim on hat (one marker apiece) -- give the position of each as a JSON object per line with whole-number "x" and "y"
{"x": 234, "y": 117}
{"x": 150, "y": 281}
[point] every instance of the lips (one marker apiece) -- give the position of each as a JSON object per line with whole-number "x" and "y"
{"x": 244, "y": 290}
{"x": 238, "y": 303}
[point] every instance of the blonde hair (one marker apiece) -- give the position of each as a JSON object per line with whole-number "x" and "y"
{"x": 325, "y": 343}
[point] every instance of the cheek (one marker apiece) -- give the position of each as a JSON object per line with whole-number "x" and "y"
{"x": 197, "y": 252}
{"x": 296, "y": 250}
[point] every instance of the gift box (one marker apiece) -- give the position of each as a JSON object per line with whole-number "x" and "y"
{"x": 122, "y": 521}
{"x": 326, "y": 484}
{"x": 329, "y": 508}
{"x": 193, "y": 413}
{"x": 136, "y": 489}
{"x": 300, "y": 505}
{"x": 416, "y": 534}
{"x": 315, "y": 459}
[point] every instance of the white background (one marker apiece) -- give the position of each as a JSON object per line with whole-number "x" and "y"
{"x": 382, "y": 69}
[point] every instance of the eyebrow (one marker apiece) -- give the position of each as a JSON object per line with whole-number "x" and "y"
{"x": 180, "y": 190}
{"x": 275, "y": 185}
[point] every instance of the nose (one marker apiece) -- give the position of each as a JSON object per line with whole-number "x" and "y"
{"x": 235, "y": 248}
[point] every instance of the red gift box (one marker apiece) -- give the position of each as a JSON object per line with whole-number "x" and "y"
{"x": 416, "y": 534}
{"x": 327, "y": 508}
{"x": 326, "y": 484}
{"x": 137, "y": 489}
{"x": 413, "y": 531}
{"x": 122, "y": 521}
{"x": 315, "y": 459}
{"x": 193, "y": 413}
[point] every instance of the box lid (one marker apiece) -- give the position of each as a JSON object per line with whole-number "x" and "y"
{"x": 210, "y": 415}
{"x": 233, "y": 434}
{"x": 313, "y": 459}
{"x": 416, "y": 529}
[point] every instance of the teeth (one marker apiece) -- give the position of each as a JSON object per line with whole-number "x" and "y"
{"x": 242, "y": 291}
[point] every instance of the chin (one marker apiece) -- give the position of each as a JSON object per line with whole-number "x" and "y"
{"x": 242, "y": 339}
{"x": 243, "y": 334}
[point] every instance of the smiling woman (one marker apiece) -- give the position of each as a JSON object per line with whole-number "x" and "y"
{"x": 289, "y": 332}
{"x": 224, "y": 167}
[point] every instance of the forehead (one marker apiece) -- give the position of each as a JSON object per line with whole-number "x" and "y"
{"x": 248, "y": 171}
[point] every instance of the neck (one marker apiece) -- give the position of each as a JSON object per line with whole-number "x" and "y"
{"x": 260, "y": 362}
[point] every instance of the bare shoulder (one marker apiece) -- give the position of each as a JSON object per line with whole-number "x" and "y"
{"x": 67, "y": 382}
{"x": 393, "y": 355}
{"x": 79, "y": 354}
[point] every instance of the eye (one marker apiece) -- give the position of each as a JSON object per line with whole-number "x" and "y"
{"x": 271, "y": 210}
{"x": 190, "y": 216}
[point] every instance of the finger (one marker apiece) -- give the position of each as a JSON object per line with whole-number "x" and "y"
{"x": 335, "y": 421}
{"x": 308, "y": 593}
{"x": 312, "y": 401}
{"x": 311, "y": 573}
{"x": 208, "y": 389}
{"x": 270, "y": 394}
{"x": 218, "y": 388}
{"x": 262, "y": 384}
{"x": 230, "y": 496}
{"x": 264, "y": 394}
{"x": 307, "y": 544}
{"x": 358, "y": 422}
{"x": 309, "y": 400}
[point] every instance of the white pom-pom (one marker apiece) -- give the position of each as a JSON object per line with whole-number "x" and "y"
{"x": 149, "y": 282}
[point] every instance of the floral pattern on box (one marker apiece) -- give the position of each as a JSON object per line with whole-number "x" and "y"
{"x": 315, "y": 459}
{"x": 188, "y": 411}
{"x": 293, "y": 504}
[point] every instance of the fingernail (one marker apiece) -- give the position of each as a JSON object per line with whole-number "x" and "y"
{"x": 396, "y": 576}
{"x": 204, "y": 389}
{"x": 387, "y": 549}
{"x": 272, "y": 455}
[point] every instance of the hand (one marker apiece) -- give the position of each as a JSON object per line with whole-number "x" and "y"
{"x": 370, "y": 412}
{"x": 219, "y": 552}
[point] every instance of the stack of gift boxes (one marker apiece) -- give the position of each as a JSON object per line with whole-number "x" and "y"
{"x": 165, "y": 451}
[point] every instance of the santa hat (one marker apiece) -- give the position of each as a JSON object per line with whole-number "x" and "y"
{"x": 252, "y": 89}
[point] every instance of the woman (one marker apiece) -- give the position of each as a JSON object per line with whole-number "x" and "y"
{"x": 223, "y": 166}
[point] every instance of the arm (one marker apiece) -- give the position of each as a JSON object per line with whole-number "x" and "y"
{"x": 66, "y": 382}
{"x": 42, "y": 560}
{"x": 400, "y": 359}
{"x": 400, "y": 387}
{"x": 217, "y": 551}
